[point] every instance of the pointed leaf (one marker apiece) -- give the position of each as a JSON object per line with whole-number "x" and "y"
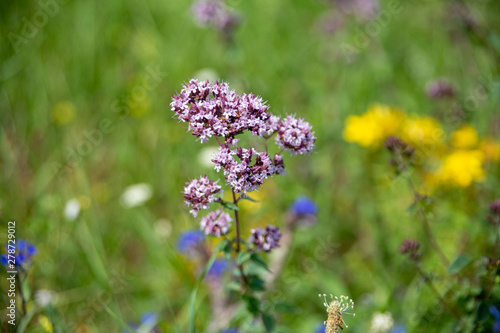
{"x": 246, "y": 197}
{"x": 459, "y": 263}
{"x": 230, "y": 205}
{"x": 242, "y": 257}
{"x": 257, "y": 259}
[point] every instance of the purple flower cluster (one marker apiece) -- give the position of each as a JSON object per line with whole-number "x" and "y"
{"x": 249, "y": 173}
{"x": 199, "y": 193}
{"x": 214, "y": 109}
{"x": 494, "y": 216}
{"x": 265, "y": 239}
{"x": 410, "y": 247}
{"x": 214, "y": 13}
{"x": 439, "y": 88}
{"x": 295, "y": 136}
{"x": 216, "y": 223}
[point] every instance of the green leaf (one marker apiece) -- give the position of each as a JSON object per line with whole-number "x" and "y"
{"x": 256, "y": 283}
{"x": 252, "y": 304}
{"x": 192, "y": 312}
{"x": 242, "y": 257}
{"x": 284, "y": 307}
{"x": 257, "y": 259}
{"x": 483, "y": 312}
{"x": 230, "y": 205}
{"x": 246, "y": 197}
{"x": 234, "y": 285}
{"x": 268, "y": 321}
{"x": 117, "y": 318}
{"x": 459, "y": 263}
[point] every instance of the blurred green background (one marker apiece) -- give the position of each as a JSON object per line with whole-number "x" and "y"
{"x": 83, "y": 70}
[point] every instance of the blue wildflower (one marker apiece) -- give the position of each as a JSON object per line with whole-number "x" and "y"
{"x": 231, "y": 330}
{"x": 304, "y": 206}
{"x": 320, "y": 328}
{"x": 219, "y": 267}
{"x": 147, "y": 323}
{"x": 188, "y": 240}
{"x": 398, "y": 329}
{"x": 149, "y": 319}
{"x": 24, "y": 252}
{"x": 494, "y": 311}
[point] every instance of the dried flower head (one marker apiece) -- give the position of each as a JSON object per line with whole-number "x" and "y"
{"x": 216, "y": 223}
{"x": 336, "y": 308}
{"x": 199, "y": 193}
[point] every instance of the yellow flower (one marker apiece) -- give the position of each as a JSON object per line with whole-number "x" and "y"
{"x": 461, "y": 168}
{"x": 63, "y": 112}
{"x": 45, "y": 323}
{"x": 490, "y": 148}
{"x": 374, "y": 126}
{"x": 464, "y": 138}
{"x": 422, "y": 131}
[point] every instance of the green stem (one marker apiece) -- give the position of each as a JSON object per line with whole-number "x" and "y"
{"x": 238, "y": 248}
{"x": 427, "y": 227}
{"x": 237, "y": 222}
{"x": 428, "y": 280}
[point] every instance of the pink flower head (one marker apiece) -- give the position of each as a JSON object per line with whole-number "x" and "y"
{"x": 251, "y": 170}
{"x": 215, "y": 109}
{"x": 216, "y": 223}
{"x": 265, "y": 239}
{"x": 199, "y": 193}
{"x": 295, "y": 136}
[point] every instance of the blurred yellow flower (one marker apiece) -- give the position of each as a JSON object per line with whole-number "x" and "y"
{"x": 63, "y": 112}
{"x": 490, "y": 148}
{"x": 45, "y": 323}
{"x": 422, "y": 130}
{"x": 374, "y": 126}
{"x": 464, "y": 138}
{"x": 461, "y": 168}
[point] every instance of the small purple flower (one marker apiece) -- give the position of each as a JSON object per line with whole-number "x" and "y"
{"x": 189, "y": 240}
{"x": 218, "y": 268}
{"x": 304, "y": 206}
{"x": 364, "y": 9}
{"x": 494, "y": 216}
{"x": 410, "y": 247}
{"x": 265, "y": 239}
{"x": 216, "y": 223}
{"x": 295, "y": 136}
{"x": 249, "y": 173}
{"x": 439, "y": 88}
{"x": 21, "y": 253}
{"x": 200, "y": 193}
{"x": 214, "y": 13}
